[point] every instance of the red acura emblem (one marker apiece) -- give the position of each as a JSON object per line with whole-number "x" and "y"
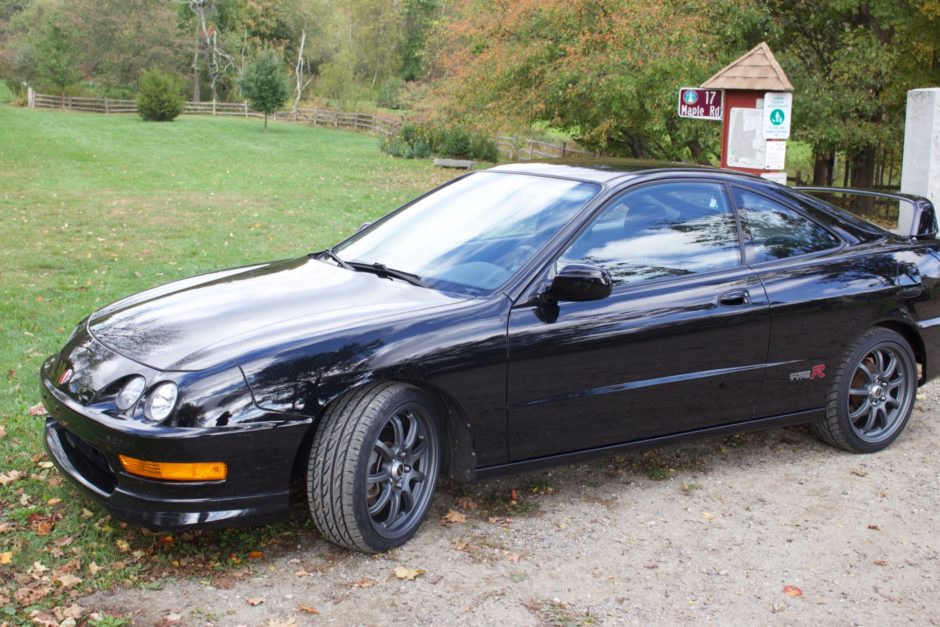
{"x": 66, "y": 376}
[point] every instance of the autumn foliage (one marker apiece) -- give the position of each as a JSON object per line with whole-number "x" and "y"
{"x": 607, "y": 72}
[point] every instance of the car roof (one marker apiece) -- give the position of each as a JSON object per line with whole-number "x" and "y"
{"x": 600, "y": 170}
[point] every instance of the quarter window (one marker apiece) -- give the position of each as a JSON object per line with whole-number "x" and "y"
{"x": 777, "y": 232}
{"x": 660, "y": 231}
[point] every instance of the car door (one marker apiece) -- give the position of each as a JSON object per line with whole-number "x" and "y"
{"x": 679, "y": 345}
{"x": 820, "y": 296}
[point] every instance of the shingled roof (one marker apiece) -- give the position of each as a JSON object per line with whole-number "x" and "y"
{"x": 756, "y": 70}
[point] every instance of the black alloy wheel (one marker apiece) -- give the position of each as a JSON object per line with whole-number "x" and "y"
{"x": 373, "y": 467}
{"x": 872, "y": 395}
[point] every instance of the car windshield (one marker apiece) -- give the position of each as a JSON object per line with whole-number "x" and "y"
{"x": 470, "y": 236}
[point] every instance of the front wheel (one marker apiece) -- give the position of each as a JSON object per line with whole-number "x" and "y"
{"x": 373, "y": 467}
{"x": 872, "y": 395}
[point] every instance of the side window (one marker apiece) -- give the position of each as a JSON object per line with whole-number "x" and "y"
{"x": 658, "y": 231}
{"x": 777, "y": 232}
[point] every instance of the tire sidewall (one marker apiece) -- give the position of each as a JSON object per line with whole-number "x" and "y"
{"x": 407, "y": 395}
{"x": 885, "y": 336}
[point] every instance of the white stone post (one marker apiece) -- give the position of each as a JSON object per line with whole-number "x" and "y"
{"x": 30, "y": 98}
{"x": 920, "y": 169}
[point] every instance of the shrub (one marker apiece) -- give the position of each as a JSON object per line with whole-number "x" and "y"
{"x": 418, "y": 141}
{"x": 159, "y": 98}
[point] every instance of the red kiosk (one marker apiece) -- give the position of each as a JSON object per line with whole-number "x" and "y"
{"x": 755, "y": 113}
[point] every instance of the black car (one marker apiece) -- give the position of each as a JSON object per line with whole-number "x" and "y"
{"x": 520, "y": 316}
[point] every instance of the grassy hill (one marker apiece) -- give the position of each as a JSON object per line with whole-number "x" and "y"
{"x": 96, "y": 207}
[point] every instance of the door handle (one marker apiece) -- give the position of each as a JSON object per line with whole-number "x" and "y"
{"x": 734, "y": 298}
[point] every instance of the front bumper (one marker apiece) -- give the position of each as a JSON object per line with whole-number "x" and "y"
{"x": 260, "y": 457}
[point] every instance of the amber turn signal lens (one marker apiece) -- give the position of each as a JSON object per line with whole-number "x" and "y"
{"x": 175, "y": 471}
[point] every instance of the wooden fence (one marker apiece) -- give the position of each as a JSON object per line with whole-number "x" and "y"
{"x": 368, "y": 122}
{"x": 512, "y": 148}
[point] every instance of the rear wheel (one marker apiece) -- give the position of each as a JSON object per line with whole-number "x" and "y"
{"x": 872, "y": 394}
{"x": 373, "y": 467}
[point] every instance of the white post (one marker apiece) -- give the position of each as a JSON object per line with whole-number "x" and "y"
{"x": 920, "y": 169}
{"x": 30, "y": 98}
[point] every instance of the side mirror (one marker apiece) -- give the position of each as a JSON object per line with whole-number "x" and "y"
{"x": 580, "y": 282}
{"x": 363, "y": 227}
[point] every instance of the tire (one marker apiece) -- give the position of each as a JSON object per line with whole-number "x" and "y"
{"x": 373, "y": 467}
{"x": 872, "y": 394}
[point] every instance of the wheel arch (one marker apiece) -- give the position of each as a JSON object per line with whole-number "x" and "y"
{"x": 910, "y": 333}
{"x": 458, "y": 455}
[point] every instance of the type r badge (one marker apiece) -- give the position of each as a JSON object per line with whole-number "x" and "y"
{"x": 816, "y": 372}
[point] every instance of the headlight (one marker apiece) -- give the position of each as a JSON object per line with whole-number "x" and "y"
{"x": 160, "y": 402}
{"x": 130, "y": 393}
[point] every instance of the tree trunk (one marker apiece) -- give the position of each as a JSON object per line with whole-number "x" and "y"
{"x": 863, "y": 176}
{"x": 265, "y": 121}
{"x": 823, "y": 166}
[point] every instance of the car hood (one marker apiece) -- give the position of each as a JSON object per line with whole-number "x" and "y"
{"x": 177, "y": 326}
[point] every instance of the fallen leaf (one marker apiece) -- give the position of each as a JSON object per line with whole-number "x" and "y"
{"x": 792, "y": 591}
{"x": 6, "y": 478}
{"x": 409, "y": 574}
{"x": 73, "y": 611}
{"x": 3, "y": 432}
{"x": 42, "y": 619}
{"x": 708, "y": 516}
{"x": 166, "y": 539}
{"x": 514, "y": 495}
{"x": 41, "y": 524}
{"x": 365, "y": 582}
{"x": 465, "y": 502}
{"x": 881, "y": 562}
{"x": 454, "y": 517}
{"x": 94, "y": 569}
{"x": 514, "y": 558}
{"x": 6, "y": 557}
{"x": 37, "y": 410}
{"x": 68, "y": 580}
{"x": 301, "y": 573}
{"x": 122, "y": 545}
{"x": 254, "y": 555}
{"x": 28, "y": 596}
{"x": 499, "y": 520}
{"x": 253, "y": 601}
{"x": 172, "y": 619}
{"x": 461, "y": 545}
{"x": 308, "y": 609}
{"x": 46, "y": 465}
{"x": 874, "y": 527}
{"x": 86, "y": 513}
{"x": 70, "y": 567}
{"x": 858, "y": 472}
{"x": 38, "y": 569}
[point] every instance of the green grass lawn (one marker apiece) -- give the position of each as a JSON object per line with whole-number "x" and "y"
{"x": 96, "y": 207}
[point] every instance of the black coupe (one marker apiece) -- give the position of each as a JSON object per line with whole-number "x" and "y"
{"x": 524, "y": 315}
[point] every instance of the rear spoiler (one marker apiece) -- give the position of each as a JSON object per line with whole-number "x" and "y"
{"x": 916, "y": 216}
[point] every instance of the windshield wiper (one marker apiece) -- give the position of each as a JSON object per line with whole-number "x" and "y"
{"x": 382, "y": 270}
{"x": 329, "y": 254}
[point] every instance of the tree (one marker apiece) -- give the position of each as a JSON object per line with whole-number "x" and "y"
{"x": 56, "y": 62}
{"x": 607, "y": 72}
{"x": 851, "y": 63}
{"x": 264, "y": 83}
{"x": 159, "y": 98}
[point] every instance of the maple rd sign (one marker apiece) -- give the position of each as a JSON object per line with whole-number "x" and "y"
{"x": 700, "y": 104}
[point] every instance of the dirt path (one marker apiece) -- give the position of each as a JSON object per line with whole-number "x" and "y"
{"x": 711, "y": 531}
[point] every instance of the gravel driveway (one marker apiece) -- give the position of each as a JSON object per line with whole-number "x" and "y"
{"x": 766, "y": 528}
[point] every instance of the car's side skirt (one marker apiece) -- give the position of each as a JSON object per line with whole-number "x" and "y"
{"x": 760, "y": 424}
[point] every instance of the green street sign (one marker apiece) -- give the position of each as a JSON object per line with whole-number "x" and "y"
{"x": 777, "y": 117}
